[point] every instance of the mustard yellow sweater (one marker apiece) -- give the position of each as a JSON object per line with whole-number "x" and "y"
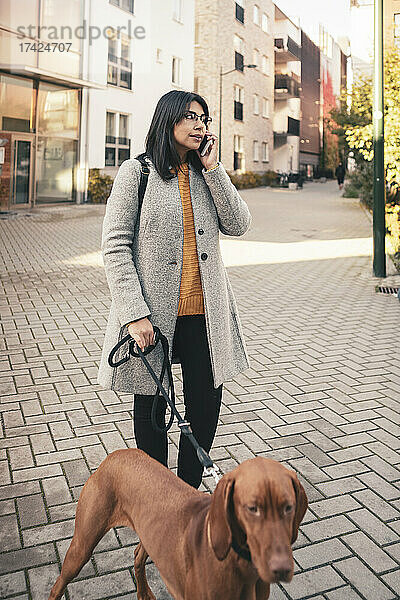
{"x": 191, "y": 293}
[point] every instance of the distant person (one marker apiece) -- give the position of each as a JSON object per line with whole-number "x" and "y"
{"x": 339, "y": 174}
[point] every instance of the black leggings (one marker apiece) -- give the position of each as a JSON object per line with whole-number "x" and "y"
{"x": 202, "y": 402}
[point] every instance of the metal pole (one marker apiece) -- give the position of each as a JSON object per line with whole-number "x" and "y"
{"x": 379, "y": 260}
{"x": 220, "y": 114}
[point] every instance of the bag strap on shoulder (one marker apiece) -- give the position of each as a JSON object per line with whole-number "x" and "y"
{"x": 144, "y": 176}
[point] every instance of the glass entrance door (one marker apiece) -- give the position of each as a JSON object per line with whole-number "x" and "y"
{"x": 22, "y": 169}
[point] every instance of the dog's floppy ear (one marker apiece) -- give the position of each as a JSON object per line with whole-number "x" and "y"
{"x": 219, "y": 518}
{"x": 301, "y": 505}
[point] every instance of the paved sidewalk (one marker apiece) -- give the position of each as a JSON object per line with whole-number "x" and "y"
{"x": 322, "y": 394}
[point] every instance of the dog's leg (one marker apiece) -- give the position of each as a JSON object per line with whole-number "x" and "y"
{"x": 143, "y": 590}
{"x": 94, "y": 517}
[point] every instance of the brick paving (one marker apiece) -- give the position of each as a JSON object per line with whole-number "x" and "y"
{"x": 322, "y": 394}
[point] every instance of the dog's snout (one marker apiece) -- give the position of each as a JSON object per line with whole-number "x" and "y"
{"x": 282, "y": 574}
{"x": 281, "y": 566}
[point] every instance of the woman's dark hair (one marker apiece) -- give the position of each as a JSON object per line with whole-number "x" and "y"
{"x": 160, "y": 143}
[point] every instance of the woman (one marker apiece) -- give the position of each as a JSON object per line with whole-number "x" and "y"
{"x": 164, "y": 268}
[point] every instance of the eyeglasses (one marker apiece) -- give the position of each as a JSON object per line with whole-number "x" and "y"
{"x": 190, "y": 115}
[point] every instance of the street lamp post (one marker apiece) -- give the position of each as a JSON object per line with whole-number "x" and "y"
{"x": 379, "y": 260}
{"x": 379, "y": 226}
{"x": 221, "y": 74}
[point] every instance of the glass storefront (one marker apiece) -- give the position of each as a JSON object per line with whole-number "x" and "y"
{"x": 17, "y": 99}
{"x": 56, "y": 170}
{"x": 39, "y": 120}
{"x": 56, "y": 154}
{"x": 58, "y": 111}
{"x": 43, "y": 122}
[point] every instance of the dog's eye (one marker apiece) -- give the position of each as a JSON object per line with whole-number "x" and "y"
{"x": 288, "y": 508}
{"x": 253, "y": 509}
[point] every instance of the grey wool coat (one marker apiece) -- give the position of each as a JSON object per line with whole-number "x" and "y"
{"x": 143, "y": 262}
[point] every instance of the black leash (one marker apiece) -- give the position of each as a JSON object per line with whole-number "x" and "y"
{"x": 134, "y": 350}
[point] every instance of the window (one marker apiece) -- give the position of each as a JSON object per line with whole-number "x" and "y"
{"x": 176, "y": 70}
{"x": 256, "y": 57}
{"x": 123, "y": 129}
{"x": 255, "y": 151}
{"x": 256, "y": 14}
{"x": 265, "y": 65}
{"x": 397, "y": 29}
{"x": 112, "y": 44}
{"x": 238, "y": 93}
{"x": 238, "y": 44}
{"x": 16, "y": 116}
{"x": 239, "y": 11}
{"x": 125, "y": 71}
{"x": 118, "y": 148}
{"x": 238, "y": 157}
{"x": 293, "y": 126}
{"x": 239, "y": 51}
{"x": 110, "y": 127}
{"x": 125, "y": 48}
{"x": 178, "y": 11}
{"x": 265, "y": 152}
{"x": 256, "y": 104}
{"x": 238, "y": 104}
{"x": 159, "y": 55}
{"x": 119, "y": 64}
{"x": 265, "y": 108}
{"x": 264, "y": 23}
{"x": 124, "y": 4}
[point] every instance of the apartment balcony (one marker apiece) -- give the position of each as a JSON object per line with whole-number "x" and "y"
{"x": 280, "y": 139}
{"x": 286, "y": 49}
{"x": 286, "y": 87}
{"x": 281, "y": 135}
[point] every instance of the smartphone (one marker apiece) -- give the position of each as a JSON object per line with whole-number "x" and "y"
{"x": 205, "y": 145}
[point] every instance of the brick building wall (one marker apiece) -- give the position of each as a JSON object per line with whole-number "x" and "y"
{"x": 216, "y": 26}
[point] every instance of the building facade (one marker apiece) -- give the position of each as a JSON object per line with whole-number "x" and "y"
{"x": 333, "y": 74}
{"x": 137, "y": 71}
{"x": 286, "y": 123}
{"x": 229, "y": 36}
{"x": 310, "y": 139}
{"x": 79, "y": 82}
{"x": 40, "y": 102}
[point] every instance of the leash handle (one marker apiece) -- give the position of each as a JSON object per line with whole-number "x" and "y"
{"x": 115, "y": 350}
{"x": 131, "y": 348}
{"x": 148, "y": 349}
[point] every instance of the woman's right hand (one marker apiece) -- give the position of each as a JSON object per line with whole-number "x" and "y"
{"x": 142, "y": 332}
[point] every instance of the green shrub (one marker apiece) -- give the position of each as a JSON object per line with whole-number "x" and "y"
{"x": 249, "y": 179}
{"x": 351, "y": 190}
{"x": 360, "y": 184}
{"x": 99, "y": 186}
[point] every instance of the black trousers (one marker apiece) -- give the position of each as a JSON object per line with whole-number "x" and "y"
{"x": 202, "y": 402}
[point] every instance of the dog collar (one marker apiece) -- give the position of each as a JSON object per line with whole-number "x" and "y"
{"x": 242, "y": 552}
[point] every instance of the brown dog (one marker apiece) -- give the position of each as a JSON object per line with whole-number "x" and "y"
{"x": 231, "y": 544}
